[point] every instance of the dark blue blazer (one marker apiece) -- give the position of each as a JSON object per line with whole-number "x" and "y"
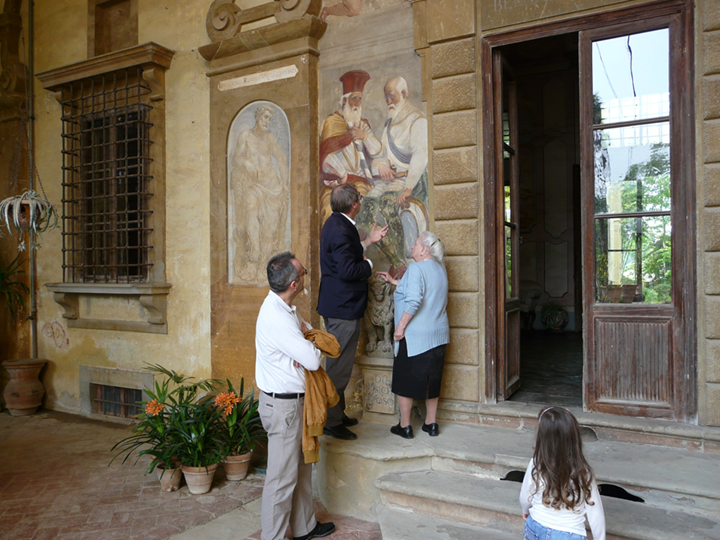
{"x": 343, "y": 286}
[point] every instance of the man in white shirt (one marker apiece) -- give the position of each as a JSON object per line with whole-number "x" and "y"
{"x": 282, "y": 356}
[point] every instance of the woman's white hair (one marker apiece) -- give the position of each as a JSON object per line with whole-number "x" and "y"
{"x": 431, "y": 241}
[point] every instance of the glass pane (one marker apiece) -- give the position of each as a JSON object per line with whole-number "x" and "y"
{"x": 507, "y": 208}
{"x": 632, "y": 169}
{"x": 508, "y": 262}
{"x": 630, "y": 77}
{"x": 633, "y": 260}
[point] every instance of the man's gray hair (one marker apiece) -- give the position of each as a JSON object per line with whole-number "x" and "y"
{"x": 343, "y": 197}
{"x": 431, "y": 241}
{"x": 281, "y": 272}
{"x": 263, "y": 108}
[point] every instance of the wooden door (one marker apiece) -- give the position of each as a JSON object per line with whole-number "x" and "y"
{"x": 638, "y": 273}
{"x": 506, "y": 160}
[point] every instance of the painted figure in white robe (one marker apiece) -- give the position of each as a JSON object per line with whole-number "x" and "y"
{"x": 401, "y": 171}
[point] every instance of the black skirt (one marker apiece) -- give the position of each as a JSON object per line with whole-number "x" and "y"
{"x": 418, "y": 377}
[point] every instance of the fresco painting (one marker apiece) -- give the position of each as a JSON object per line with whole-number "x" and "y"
{"x": 386, "y": 161}
{"x": 258, "y": 166}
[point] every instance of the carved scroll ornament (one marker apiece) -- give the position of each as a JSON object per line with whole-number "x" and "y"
{"x": 225, "y": 19}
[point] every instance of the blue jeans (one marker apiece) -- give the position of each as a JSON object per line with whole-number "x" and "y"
{"x": 534, "y": 531}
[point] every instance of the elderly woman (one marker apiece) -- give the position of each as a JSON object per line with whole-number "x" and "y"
{"x": 421, "y": 333}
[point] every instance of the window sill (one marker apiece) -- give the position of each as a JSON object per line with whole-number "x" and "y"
{"x": 151, "y": 296}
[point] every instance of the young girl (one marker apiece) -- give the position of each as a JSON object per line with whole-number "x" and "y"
{"x": 559, "y": 489}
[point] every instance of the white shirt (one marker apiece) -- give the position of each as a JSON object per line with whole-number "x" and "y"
{"x": 572, "y": 521}
{"x": 278, "y": 341}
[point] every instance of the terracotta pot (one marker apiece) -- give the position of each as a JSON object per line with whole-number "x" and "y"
{"x": 236, "y": 467}
{"x": 199, "y": 479}
{"x": 23, "y": 394}
{"x": 169, "y": 478}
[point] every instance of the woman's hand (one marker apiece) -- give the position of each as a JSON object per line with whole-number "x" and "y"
{"x": 387, "y": 278}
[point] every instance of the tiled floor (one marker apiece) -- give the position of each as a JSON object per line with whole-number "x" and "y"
{"x": 551, "y": 366}
{"x": 55, "y": 483}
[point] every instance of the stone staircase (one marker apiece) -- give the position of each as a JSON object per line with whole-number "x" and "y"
{"x": 451, "y": 487}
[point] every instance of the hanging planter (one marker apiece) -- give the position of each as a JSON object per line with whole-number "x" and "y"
{"x": 28, "y": 212}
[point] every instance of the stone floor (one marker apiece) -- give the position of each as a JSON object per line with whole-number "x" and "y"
{"x": 551, "y": 366}
{"x": 56, "y": 483}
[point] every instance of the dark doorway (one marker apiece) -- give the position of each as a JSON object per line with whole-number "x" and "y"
{"x": 545, "y": 76}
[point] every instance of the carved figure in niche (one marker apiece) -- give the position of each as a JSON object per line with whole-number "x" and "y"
{"x": 379, "y": 317}
{"x": 399, "y": 196}
{"x": 259, "y": 191}
{"x": 346, "y": 8}
{"x": 347, "y": 144}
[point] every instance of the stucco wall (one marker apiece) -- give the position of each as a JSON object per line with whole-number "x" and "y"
{"x": 61, "y": 39}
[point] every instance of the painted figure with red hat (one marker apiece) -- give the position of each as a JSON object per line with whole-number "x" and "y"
{"x": 348, "y": 146}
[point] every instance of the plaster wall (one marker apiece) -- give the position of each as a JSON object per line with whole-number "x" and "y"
{"x": 61, "y": 39}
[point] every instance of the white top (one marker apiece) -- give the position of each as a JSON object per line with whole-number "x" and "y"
{"x": 278, "y": 341}
{"x": 572, "y": 521}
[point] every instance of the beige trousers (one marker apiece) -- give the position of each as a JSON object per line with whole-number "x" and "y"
{"x": 287, "y": 494}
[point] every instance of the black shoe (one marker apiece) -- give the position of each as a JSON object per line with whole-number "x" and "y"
{"x": 340, "y": 432}
{"x": 349, "y": 422}
{"x": 431, "y": 429}
{"x": 320, "y": 530}
{"x": 405, "y": 432}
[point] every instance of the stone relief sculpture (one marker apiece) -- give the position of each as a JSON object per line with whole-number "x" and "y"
{"x": 388, "y": 166}
{"x": 258, "y": 191}
{"x": 379, "y": 318}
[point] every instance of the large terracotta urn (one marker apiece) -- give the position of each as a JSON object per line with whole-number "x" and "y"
{"x": 23, "y": 394}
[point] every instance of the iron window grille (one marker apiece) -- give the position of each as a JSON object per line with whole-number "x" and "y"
{"x": 107, "y": 214}
{"x": 116, "y": 401}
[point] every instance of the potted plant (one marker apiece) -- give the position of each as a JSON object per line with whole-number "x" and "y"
{"x": 28, "y": 212}
{"x": 153, "y": 436}
{"x": 554, "y": 316}
{"x": 196, "y": 429}
{"x": 24, "y": 392}
{"x": 240, "y": 429}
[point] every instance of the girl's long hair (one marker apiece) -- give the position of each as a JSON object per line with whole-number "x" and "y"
{"x": 559, "y": 463}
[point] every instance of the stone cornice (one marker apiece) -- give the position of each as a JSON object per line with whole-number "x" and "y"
{"x": 146, "y": 55}
{"x": 308, "y": 26}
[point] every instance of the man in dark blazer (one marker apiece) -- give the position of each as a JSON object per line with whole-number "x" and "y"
{"x": 343, "y": 294}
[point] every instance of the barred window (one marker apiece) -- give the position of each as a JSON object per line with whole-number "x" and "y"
{"x": 107, "y": 213}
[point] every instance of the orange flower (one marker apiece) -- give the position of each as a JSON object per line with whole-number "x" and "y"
{"x": 227, "y": 400}
{"x": 153, "y": 407}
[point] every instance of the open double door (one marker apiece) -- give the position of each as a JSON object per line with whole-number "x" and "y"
{"x": 637, "y": 206}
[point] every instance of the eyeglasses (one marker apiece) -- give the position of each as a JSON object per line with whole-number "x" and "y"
{"x": 306, "y": 270}
{"x": 360, "y": 199}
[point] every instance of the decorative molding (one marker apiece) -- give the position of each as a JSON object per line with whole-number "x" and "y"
{"x": 151, "y": 296}
{"x": 225, "y": 20}
{"x": 309, "y": 28}
{"x": 69, "y": 303}
{"x": 150, "y": 56}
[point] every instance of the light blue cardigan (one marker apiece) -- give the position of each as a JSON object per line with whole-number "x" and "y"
{"x": 422, "y": 293}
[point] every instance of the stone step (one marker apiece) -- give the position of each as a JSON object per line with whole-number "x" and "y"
{"x": 511, "y": 414}
{"x": 493, "y": 503}
{"x": 688, "y": 479}
{"x": 401, "y": 524}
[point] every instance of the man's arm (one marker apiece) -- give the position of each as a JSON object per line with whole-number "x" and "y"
{"x": 291, "y": 342}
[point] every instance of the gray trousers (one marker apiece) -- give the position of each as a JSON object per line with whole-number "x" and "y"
{"x": 339, "y": 369}
{"x": 287, "y": 495}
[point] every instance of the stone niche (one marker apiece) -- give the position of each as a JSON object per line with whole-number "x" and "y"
{"x": 263, "y": 73}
